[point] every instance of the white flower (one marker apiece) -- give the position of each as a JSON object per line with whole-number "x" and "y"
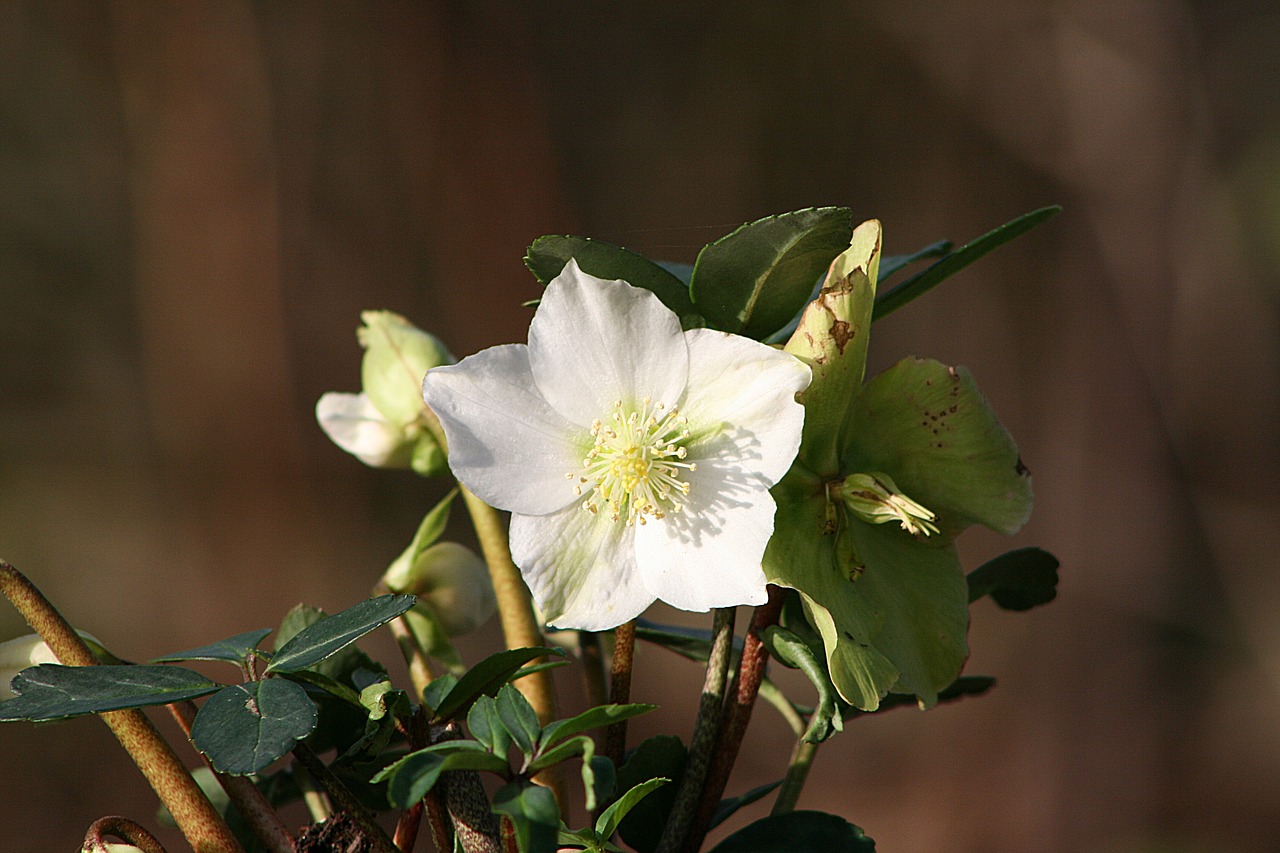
{"x": 635, "y": 458}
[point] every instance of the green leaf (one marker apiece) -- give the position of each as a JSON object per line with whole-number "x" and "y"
{"x": 962, "y": 687}
{"x": 518, "y": 718}
{"x": 432, "y": 638}
{"x": 484, "y": 679}
{"x": 52, "y": 691}
{"x": 753, "y": 281}
{"x": 486, "y": 726}
{"x": 410, "y": 778}
{"x": 607, "y": 823}
{"x": 548, "y": 256}
{"x": 331, "y": 634}
{"x": 593, "y": 718}
{"x": 661, "y": 756}
{"x": 925, "y": 280}
{"x": 792, "y": 651}
{"x": 798, "y": 832}
{"x": 726, "y": 807}
{"x": 398, "y": 576}
{"x": 243, "y": 728}
{"x": 439, "y": 689}
{"x": 1017, "y": 580}
{"x": 572, "y": 748}
{"x": 235, "y": 649}
{"x": 890, "y": 264}
{"x": 534, "y": 815}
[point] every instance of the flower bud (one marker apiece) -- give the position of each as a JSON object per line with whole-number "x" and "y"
{"x": 355, "y": 425}
{"x": 876, "y": 499}
{"x": 397, "y": 355}
{"x": 451, "y": 582}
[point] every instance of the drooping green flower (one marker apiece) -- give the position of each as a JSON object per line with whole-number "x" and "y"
{"x": 888, "y": 473}
{"x": 635, "y": 458}
{"x": 382, "y": 425}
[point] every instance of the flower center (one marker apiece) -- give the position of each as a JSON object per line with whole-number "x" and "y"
{"x": 633, "y": 469}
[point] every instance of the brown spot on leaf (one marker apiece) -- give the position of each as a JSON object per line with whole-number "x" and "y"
{"x": 841, "y": 333}
{"x": 1020, "y": 469}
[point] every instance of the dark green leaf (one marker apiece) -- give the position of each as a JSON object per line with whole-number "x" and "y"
{"x": 323, "y": 682}
{"x": 438, "y": 690}
{"x": 485, "y": 678}
{"x": 607, "y": 824}
{"x": 593, "y": 718}
{"x": 792, "y": 651}
{"x": 965, "y": 685}
{"x": 890, "y": 264}
{"x": 661, "y": 756}
{"x": 432, "y": 638}
{"x": 341, "y": 667}
{"x": 243, "y": 728}
{"x": 52, "y": 691}
{"x": 518, "y": 718}
{"x": 536, "y": 667}
{"x": 1017, "y": 580}
{"x": 798, "y": 832}
{"x": 548, "y": 256}
{"x": 534, "y": 815}
{"x": 726, "y": 807}
{"x": 752, "y": 281}
{"x": 331, "y": 634}
{"x": 604, "y": 778}
{"x": 410, "y": 778}
{"x": 235, "y": 649}
{"x": 925, "y": 280}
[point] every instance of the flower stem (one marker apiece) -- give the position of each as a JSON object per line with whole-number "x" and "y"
{"x": 199, "y": 821}
{"x": 797, "y": 772}
{"x": 592, "y": 668}
{"x": 705, "y": 731}
{"x": 345, "y": 800}
{"x": 624, "y": 646}
{"x": 122, "y": 828}
{"x": 737, "y": 713}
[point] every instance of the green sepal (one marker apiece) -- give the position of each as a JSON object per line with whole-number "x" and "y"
{"x": 397, "y": 355}
{"x": 790, "y": 650}
{"x": 245, "y": 727}
{"x": 752, "y": 281}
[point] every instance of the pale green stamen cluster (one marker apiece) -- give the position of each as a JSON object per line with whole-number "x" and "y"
{"x": 876, "y": 499}
{"x": 633, "y": 469}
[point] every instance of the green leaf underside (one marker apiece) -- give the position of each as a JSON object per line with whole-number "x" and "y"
{"x": 753, "y": 281}
{"x": 52, "y": 691}
{"x": 331, "y": 634}
{"x": 534, "y": 815}
{"x": 485, "y": 679}
{"x": 925, "y": 280}
{"x": 410, "y": 778}
{"x": 547, "y": 256}
{"x": 660, "y": 756}
{"x": 927, "y": 426}
{"x": 234, "y": 649}
{"x": 243, "y": 728}
{"x": 593, "y": 718}
{"x": 798, "y": 832}
{"x": 1017, "y": 580}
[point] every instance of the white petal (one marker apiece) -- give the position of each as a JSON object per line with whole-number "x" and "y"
{"x": 580, "y": 567}
{"x": 708, "y": 554}
{"x": 353, "y": 423}
{"x": 506, "y": 443}
{"x": 594, "y": 341}
{"x": 741, "y": 402}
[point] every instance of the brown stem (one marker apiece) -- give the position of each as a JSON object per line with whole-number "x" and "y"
{"x": 345, "y": 800}
{"x": 737, "y": 715}
{"x": 199, "y": 821}
{"x": 248, "y": 800}
{"x": 120, "y": 827}
{"x": 624, "y": 644}
{"x": 407, "y": 827}
{"x": 592, "y": 668}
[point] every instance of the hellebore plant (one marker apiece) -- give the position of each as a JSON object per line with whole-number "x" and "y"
{"x": 698, "y": 435}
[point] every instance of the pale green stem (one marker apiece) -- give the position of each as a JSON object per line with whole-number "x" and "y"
{"x": 797, "y": 772}
{"x": 198, "y": 820}
{"x": 705, "y": 732}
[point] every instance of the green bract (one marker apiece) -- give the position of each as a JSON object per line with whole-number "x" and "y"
{"x": 891, "y": 605}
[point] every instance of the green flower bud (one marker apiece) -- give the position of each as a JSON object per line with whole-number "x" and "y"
{"x": 876, "y": 499}
{"x": 397, "y": 355}
{"x": 452, "y": 585}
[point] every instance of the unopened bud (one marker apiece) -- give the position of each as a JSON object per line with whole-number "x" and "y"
{"x": 397, "y": 354}
{"x": 451, "y": 581}
{"x": 876, "y": 499}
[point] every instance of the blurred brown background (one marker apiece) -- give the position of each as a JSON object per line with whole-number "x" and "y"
{"x": 197, "y": 199}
